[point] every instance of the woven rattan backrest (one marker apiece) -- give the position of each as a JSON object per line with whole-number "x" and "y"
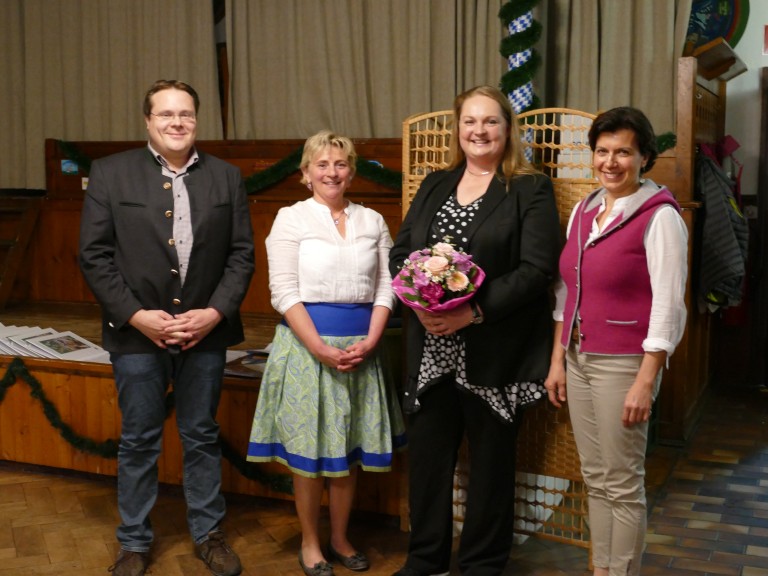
{"x": 425, "y": 149}
{"x": 556, "y": 139}
{"x": 558, "y": 146}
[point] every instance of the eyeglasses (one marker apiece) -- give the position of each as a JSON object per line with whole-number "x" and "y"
{"x": 184, "y": 117}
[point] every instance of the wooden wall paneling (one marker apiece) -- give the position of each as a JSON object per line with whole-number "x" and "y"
{"x": 51, "y": 272}
{"x": 86, "y": 398}
{"x": 17, "y": 222}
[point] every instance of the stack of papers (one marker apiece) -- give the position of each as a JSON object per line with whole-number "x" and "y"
{"x": 37, "y": 342}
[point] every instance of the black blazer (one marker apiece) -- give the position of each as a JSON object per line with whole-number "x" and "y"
{"x": 129, "y": 264}
{"x": 515, "y": 238}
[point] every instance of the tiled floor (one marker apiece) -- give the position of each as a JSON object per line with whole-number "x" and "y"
{"x": 708, "y": 515}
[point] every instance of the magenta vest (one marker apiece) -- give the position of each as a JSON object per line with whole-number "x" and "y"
{"x": 608, "y": 281}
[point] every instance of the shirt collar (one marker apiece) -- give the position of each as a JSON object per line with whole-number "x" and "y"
{"x": 193, "y": 159}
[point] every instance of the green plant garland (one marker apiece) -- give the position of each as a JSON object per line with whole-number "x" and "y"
{"x": 516, "y": 43}
{"x": 282, "y": 169}
{"x": 279, "y": 171}
{"x": 17, "y": 370}
{"x": 525, "y": 40}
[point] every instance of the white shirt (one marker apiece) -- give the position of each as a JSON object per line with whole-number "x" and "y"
{"x": 666, "y": 249}
{"x": 309, "y": 261}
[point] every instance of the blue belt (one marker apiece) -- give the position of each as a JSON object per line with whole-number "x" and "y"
{"x": 339, "y": 319}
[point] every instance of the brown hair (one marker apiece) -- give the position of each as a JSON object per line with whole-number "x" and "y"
{"x": 160, "y": 85}
{"x": 627, "y": 118}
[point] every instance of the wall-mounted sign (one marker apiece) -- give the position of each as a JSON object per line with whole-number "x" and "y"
{"x": 712, "y": 19}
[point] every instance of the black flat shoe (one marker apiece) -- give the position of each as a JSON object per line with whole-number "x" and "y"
{"x": 358, "y": 562}
{"x": 319, "y": 569}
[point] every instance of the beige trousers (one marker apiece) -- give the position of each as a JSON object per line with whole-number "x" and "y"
{"x": 612, "y": 457}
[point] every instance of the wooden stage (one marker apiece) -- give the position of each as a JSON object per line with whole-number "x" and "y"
{"x": 84, "y": 396}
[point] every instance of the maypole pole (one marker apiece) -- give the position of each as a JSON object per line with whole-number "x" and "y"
{"x": 523, "y": 61}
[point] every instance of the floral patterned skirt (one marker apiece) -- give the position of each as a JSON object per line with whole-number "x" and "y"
{"x": 321, "y": 422}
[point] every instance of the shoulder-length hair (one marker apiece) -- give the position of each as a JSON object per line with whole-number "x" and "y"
{"x": 513, "y": 162}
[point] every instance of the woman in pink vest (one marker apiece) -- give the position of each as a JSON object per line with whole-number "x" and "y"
{"x": 620, "y": 314}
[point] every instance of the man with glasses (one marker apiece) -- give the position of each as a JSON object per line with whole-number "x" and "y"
{"x": 166, "y": 247}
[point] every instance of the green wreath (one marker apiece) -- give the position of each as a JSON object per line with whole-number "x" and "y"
{"x": 17, "y": 370}
{"x": 278, "y": 172}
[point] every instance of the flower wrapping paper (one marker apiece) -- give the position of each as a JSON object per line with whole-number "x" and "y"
{"x": 437, "y": 278}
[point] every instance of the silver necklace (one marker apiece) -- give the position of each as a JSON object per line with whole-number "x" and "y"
{"x": 336, "y": 220}
{"x": 475, "y": 174}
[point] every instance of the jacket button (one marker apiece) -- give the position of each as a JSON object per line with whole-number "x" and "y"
{"x": 168, "y": 213}
{"x": 174, "y": 272}
{"x": 171, "y": 242}
{"x": 176, "y": 301}
{"x": 167, "y": 185}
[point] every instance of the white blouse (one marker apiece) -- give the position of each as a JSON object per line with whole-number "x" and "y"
{"x": 666, "y": 247}
{"x": 309, "y": 261}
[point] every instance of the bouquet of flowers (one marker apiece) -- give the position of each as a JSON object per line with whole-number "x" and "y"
{"x": 438, "y": 278}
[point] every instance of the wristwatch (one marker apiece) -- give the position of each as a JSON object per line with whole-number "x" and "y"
{"x": 477, "y": 315}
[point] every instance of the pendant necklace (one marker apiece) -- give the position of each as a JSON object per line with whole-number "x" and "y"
{"x": 475, "y": 174}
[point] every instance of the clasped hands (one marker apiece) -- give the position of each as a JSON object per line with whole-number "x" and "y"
{"x": 347, "y": 360}
{"x": 447, "y": 322}
{"x": 184, "y": 330}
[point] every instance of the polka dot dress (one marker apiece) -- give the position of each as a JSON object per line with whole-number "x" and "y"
{"x": 444, "y": 357}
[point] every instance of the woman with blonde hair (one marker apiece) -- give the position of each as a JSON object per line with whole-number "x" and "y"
{"x": 325, "y": 407}
{"x": 473, "y": 369}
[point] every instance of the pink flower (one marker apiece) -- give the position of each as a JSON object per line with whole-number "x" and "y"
{"x": 436, "y": 264}
{"x": 462, "y": 262}
{"x": 442, "y": 249}
{"x": 457, "y": 281}
{"x": 419, "y": 255}
{"x": 419, "y": 278}
{"x": 432, "y": 293}
{"x": 437, "y": 278}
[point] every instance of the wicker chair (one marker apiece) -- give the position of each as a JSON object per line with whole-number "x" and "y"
{"x": 550, "y": 492}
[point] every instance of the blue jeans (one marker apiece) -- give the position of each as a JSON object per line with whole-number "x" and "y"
{"x": 142, "y": 381}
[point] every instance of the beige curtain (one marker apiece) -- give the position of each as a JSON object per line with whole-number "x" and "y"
{"x": 478, "y": 39}
{"x": 81, "y": 68}
{"x": 606, "y": 53}
{"x": 356, "y": 66}
{"x": 13, "y": 158}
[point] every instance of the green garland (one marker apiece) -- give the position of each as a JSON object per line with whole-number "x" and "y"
{"x": 520, "y": 42}
{"x": 108, "y": 448}
{"x": 279, "y": 171}
{"x": 665, "y": 141}
{"x": 369, "y": 169}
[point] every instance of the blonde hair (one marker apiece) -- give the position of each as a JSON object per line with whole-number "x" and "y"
{"x": 514, "y": 162}
{"x": 320, "y": 142}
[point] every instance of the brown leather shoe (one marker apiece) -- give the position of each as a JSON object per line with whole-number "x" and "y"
{"x": 130, "y": 563}
{"x": 218, "y": 556}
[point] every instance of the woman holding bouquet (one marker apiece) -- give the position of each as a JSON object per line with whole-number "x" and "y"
{"x": 325, "y": 408}
{"x": 473, "y": 368}
{"x": 620, "y": 313}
